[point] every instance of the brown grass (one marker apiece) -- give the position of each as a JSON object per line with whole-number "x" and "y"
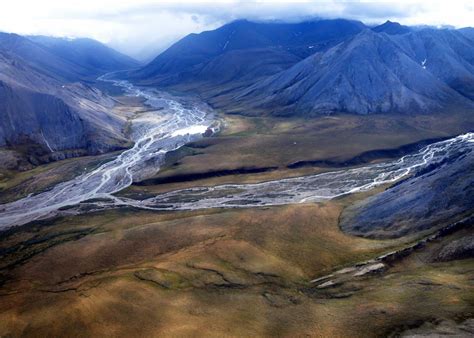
{"x": 211, "y": 273}
{"x": 242, "y": 272}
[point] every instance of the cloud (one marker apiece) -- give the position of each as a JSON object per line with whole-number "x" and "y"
{"x": 144, "y": 27}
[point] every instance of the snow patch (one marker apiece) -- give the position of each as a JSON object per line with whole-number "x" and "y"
{"x": 47, "y": 143}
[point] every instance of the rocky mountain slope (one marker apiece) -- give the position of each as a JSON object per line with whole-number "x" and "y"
{"x": 467, "y": 32}
{"x": 65, "y": 60}
{"x": 391, "y": 28}
{"x": 434, "y": 196}
{"x": 90, "y": 56}
{"x": 45, "y": 117}
{"x": 369, "y": 73}
{"x": 447, "y": 54}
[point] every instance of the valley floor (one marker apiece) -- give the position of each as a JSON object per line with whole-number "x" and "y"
{"x": 253, "y": 149}
{"x": 245, "y": 272}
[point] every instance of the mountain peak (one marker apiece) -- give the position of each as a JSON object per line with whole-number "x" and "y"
{"x": 391, "y": 28}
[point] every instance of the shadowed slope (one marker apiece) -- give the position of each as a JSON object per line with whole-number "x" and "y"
{"x": 435, "y": 195}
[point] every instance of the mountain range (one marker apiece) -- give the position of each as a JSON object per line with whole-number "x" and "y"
{"x": 320, "y": 67}
{"x": 243, "y": 49}
{"x": 48, "y": 98}
{"x": 371, "y": 73}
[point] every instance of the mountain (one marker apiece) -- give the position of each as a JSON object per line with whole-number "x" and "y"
{"x": 47, "y": 111}
{"x": 196, "y": 57}
{"x": 53, "y": 119}
{"x": 445, "y": 53}
{"x": 467, "y": 32}
{"x": 441, "y": 193}
{"x": 89, "y": 54}
{"x": 68, "y": 61}
{"x": 392, "y": 28}
{"x": 369, "y": 73}
{"x": 319, "y": 67}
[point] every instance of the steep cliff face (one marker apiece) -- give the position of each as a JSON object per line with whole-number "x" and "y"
{"x": 40, "y": 118}
{"x": 46, "y": 109}
{"x": 59, "y": 118}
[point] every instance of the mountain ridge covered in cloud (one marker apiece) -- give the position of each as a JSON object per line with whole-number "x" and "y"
{"x": 131, "y": 26}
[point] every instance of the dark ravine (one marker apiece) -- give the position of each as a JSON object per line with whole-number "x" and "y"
{"x": 462, "y": 248}
{"x": 443, "y": 328}
{"x": 14, "y": 256}
{"x": 465, "y": 223}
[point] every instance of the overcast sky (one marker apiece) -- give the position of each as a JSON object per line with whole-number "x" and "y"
{"x": 143, "y": 27}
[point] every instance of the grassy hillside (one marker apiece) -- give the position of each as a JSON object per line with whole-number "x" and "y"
{"x": 215, "y": 273}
